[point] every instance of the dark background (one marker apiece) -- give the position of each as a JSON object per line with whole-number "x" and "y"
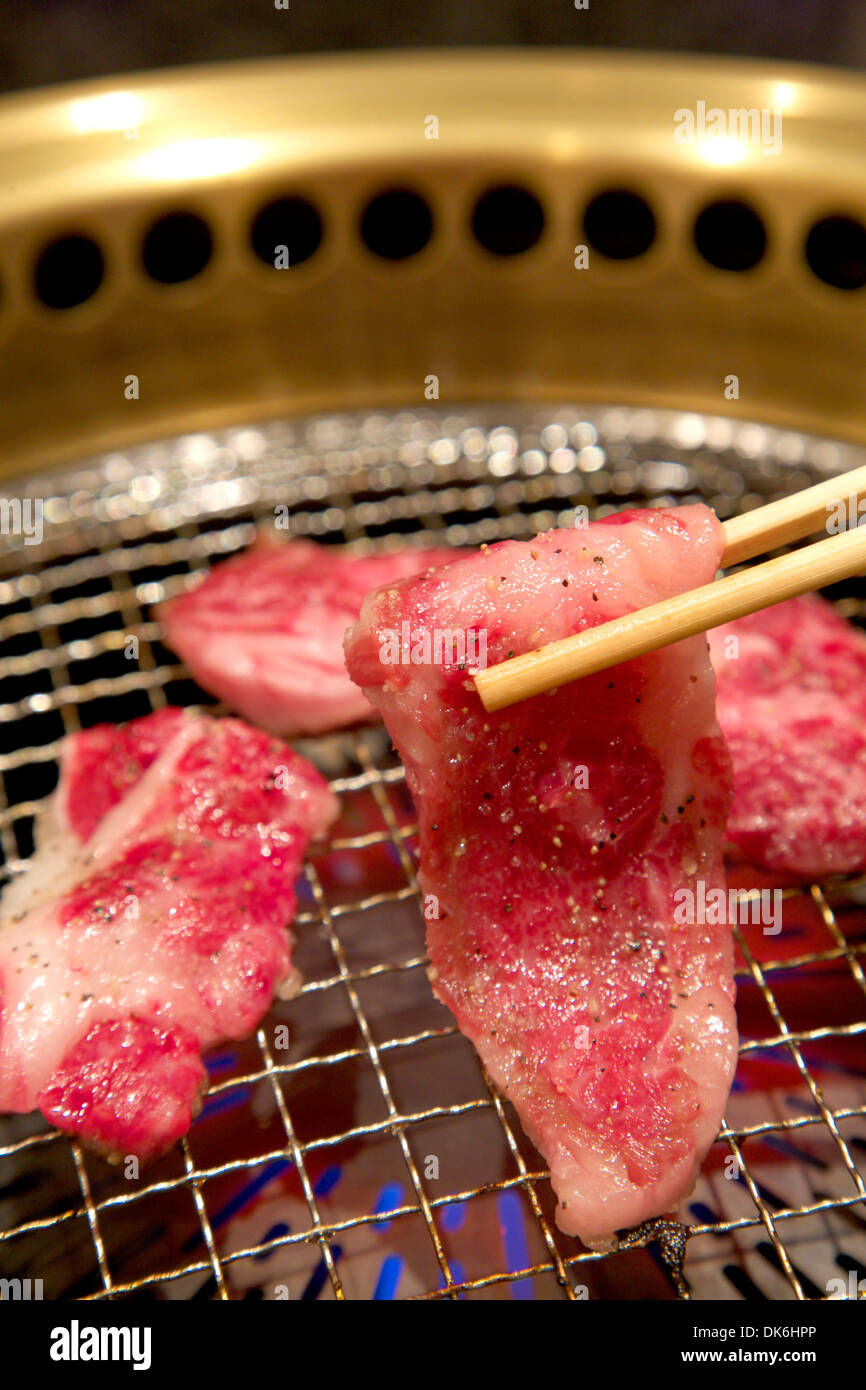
{"x": 45, "y": 41}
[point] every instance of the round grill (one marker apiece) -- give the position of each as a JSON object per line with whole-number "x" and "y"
{"x": 430, "y": 365}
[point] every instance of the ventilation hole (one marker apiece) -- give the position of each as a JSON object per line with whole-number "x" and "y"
{"x": 836, "y": 252}
{"x": 176, "y": 248}
{"x": 730, "y": 236}
{"x": 286, "y": 232}
{"x": 508, "y": 220}
{"x": 619, "y": 225}
{"x": 396, "y": 224}
{"x": 68, "y": 272}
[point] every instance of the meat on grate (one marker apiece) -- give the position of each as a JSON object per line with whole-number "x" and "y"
{"x": 151, "y": 923}
{"x": 792, "y": 706}
{"x": 560, "y": 840}
{"x": 264, "y": 631}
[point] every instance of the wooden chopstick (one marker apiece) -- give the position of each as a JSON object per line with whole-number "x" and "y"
{"x": 790, "y": 519}
{"x": 698, "y": 610}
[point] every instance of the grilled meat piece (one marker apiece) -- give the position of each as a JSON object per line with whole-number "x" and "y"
{"x": 792, "y": 706}
{"x": 559, "y": 842}
{"x": 264, "y": 631}
{"x": 151, "y": 923}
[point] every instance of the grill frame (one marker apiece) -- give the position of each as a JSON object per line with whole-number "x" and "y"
{"x": 198, "y": 498}
{"x": 108, "y": 159}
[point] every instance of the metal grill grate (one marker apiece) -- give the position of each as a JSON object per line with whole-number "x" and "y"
{"x": 310, "y": 1170}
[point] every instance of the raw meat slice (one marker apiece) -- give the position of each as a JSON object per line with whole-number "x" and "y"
{"x": 264, "y": 631}
{"x": 151, "y": 922}
{"x": 792, "y": 706}
{"x": 554, "y": 836}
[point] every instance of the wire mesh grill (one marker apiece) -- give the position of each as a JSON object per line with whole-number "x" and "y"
{"x": 354, "y": 1147}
